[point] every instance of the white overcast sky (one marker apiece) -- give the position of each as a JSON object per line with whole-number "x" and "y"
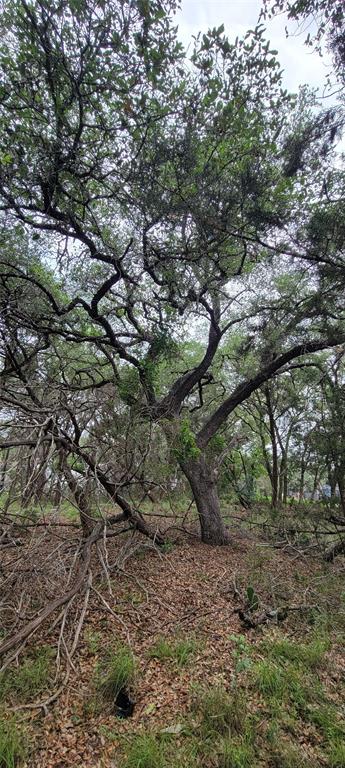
{"x": 300, "y": 64}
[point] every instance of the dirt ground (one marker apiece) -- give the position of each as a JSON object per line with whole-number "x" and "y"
{"x": 192, "y": 591}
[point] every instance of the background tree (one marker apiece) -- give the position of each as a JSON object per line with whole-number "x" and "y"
{"x": 326, "y": 18}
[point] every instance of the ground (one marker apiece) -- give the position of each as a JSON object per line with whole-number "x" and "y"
{"x": 208, "y": 691}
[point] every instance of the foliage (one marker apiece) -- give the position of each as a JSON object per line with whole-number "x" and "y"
{"x": 185, "y": 446}
{"x": 310, "y": 655}
{"x": 328, "y": 18}
{"x": 141, "y": 190}
{"x": 337, "y": 755}
{"x": 234, "y": 755}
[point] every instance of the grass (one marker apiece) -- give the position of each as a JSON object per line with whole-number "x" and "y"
{"x": 324, "y": 717}
{"x": 145, "y": 752}
{"x": 179, "y": 651}
{"x": 219, "y": 712}
{"x": 310, "y": 655}
{"x": 288, "y": 681}
{"x": 115, "y": 672}
{"x": 93, "y": 641}
{"x": 269, "y": 679}
{"x": 288, "y": 755}
{"x": 235, "y": 755}
{"x": 13, "y": 746}
{"x": 337, "y": 755}
{"x": 30, "y": 679}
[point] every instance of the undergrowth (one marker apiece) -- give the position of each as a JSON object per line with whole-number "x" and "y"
{"x": 25, "y": 682}
{"x": 178, "y": 650}
{"x": 274, "y": 694}
{"x": 115, "y": 671}
{"x": 13, "y": 744}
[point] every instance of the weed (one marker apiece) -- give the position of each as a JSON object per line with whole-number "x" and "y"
{"x": 219, "y": 712}
{"x": 241, "y": 656}
{"x": 179, "y": 650}
{"x": 183, "y": 650}
{"x": 273, "y": 731}
{"x": 161, "y": 650}
{"x": 288, "y": 755}
{"x": 325, "y": 718}
{"x": 311, "y": 655}
{"x": 30, "y": 679}
{"x": 94, "y": 641}
{"x": 269, "y": 679}
{"x": 337, "y": 755}
{"x": 115, "y": 671}
{"x": 145, "y": 752}
{"x": 12, "y": 744}
{"x": 167, "y": 547}
{"x": 286, "y": 682}
{"x": 235, "y": 755}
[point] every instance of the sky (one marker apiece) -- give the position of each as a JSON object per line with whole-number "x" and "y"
{"x": 300, "y": 64}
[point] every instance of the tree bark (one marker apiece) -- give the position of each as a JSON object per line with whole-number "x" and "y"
{"x": 315, "y": 484}
{"x": 203, "y": 482}
{"x": 301, "y": 479}
{"x": 3, "y": 470}
{"x": 272, "y": 428}
{"x": 341, "y": 486}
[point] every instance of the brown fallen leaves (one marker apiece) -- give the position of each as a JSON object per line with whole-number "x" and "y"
{"x": 186, "y": 593}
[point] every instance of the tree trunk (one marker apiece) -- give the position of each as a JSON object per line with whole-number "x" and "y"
{"x": 203, "y": 483}
{"x": 275, "y": 469}
{"x": 301, "y": 481}
{"x": 283, "y": 478}
{"x": 341, "y": 486}
{"x": 3, "y": 469}
{"x": 315, "y": 484}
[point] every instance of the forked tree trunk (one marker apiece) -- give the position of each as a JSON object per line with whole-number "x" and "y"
{"x": 204, "y": 486}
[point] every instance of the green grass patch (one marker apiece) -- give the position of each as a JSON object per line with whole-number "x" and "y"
{"x": 219, "y": 712}
{"x": 114, "y": 672}
{"x": 93, "y": 641}
{"x": 235, "y": 755}
{"x": 269, "y": 679}
{"x": 310, "y": 655}
{"x": 288, "y": 755}
{"x": 327, "y": 722}
{"x": 30, "y": 679}
{"x": 145, "y": 752}
{"x": 179, "y": 651}
{"x": 13, "y": 745}
{"x": 337, "y": 754}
